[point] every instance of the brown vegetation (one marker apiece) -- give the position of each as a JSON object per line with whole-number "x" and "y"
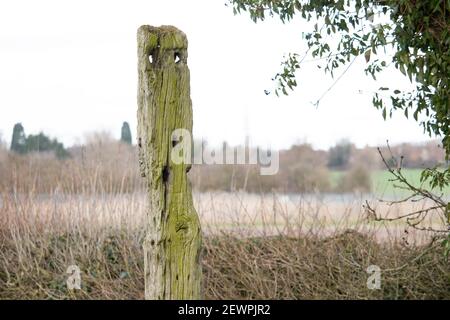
{"x": 103, "y": 235}
{"x": 101, "y": 165}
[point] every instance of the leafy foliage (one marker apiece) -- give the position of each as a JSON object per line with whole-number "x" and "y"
{"x": 438, "y": 178}
{"x": 417, "y": 31}
{"x": 42, "y": 143}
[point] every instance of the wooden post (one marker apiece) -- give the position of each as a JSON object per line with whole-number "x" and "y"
{"x": 173, "y": 241}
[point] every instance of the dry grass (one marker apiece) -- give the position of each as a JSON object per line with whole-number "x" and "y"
{"x": 297, "y": 255}
{"x": 311, "y": 268}
{"x": 101, "y": 166}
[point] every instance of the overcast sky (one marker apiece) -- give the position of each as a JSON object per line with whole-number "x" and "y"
{"x": 69, "y": 67}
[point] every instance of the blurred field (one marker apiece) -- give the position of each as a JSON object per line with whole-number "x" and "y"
{"x": 105, "y": 165}
{"x": 383, "y": 187}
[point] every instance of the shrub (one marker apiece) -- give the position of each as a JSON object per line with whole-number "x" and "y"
{"x": 357, "y": 179}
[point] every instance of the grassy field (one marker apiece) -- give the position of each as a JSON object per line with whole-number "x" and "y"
{"x": 382, "y": 186}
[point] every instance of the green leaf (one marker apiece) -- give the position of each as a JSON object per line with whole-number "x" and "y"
{"x": 367, "y": 55}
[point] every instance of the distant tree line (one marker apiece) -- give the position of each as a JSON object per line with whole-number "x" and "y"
{"x": 22, "y": 144}
{"x": 345, "y": 155}
{"x": 339, "y": 155}
{"x": 302, "y": 168}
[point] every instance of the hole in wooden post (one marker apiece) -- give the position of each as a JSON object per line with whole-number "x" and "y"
{"x": 176, "y": 140}
{"x": 177, "y": 57}
{"x": 165, "y": 174}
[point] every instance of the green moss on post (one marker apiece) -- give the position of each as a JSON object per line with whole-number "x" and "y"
{"x": 173, "y": 242}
